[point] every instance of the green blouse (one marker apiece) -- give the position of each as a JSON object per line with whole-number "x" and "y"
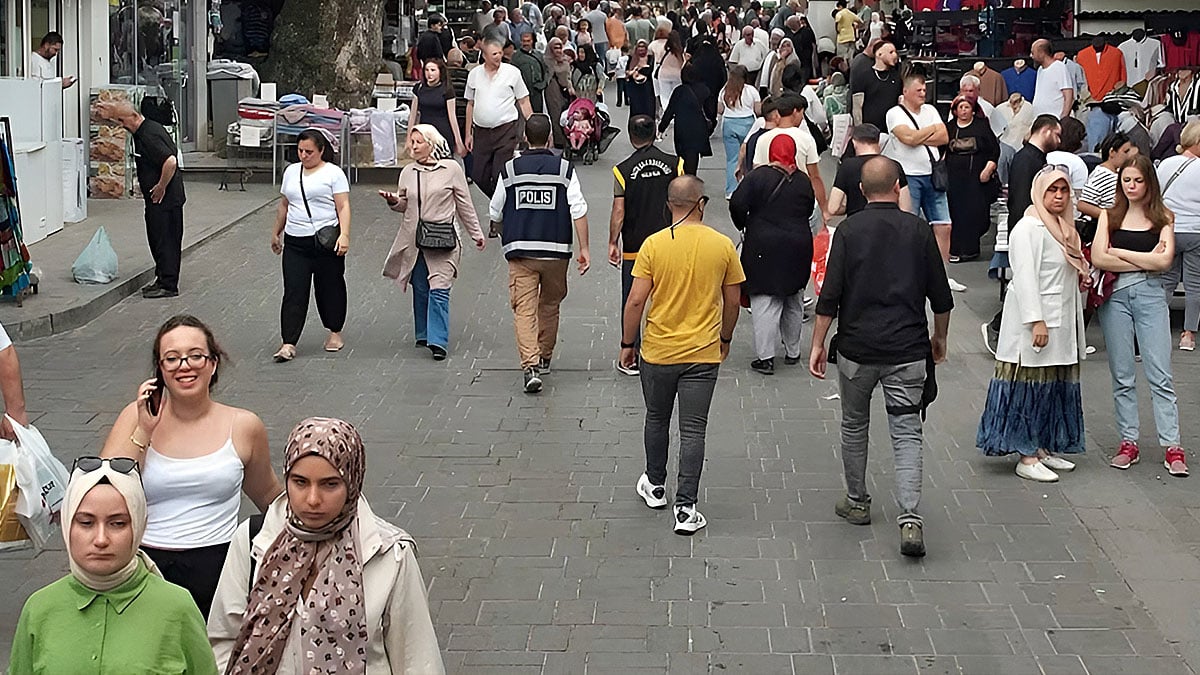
{"x": 146, "y": 625}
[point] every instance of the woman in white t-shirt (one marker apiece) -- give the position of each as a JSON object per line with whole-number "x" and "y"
{"x": 312, "y": 231}
{"x": 738, "y": 104}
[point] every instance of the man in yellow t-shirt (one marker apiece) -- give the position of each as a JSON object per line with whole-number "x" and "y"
{"x": 691, "y": 275}
{"x": 847, "y": 23}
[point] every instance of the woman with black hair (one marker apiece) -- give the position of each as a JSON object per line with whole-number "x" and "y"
{"x": 312, "y": 232}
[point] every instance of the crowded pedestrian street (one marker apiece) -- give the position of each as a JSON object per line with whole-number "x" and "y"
{"x": 540, "y": 557}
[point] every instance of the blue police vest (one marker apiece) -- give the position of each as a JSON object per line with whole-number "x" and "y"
{"x": 537, "y": 218}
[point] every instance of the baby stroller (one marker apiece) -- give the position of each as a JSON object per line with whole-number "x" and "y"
{"x": 599, "y": 139}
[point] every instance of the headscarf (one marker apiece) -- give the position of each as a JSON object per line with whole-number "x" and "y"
{"x": 333, "y": 630}
{"x": 780, "y": 65}
{"x": 130, "y": 487}
{"x": 783, "y": 152}
{"x": 437, "y": 142}
{"x": 1061, "y": 227}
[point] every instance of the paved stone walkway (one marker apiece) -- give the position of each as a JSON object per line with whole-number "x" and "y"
{"x": 538, "y": 555}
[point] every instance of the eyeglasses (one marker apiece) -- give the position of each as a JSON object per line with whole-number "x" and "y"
{"x": 1055, "y": 167}
{"x": 91, "y": 463}
{"x": 173, "y": 363}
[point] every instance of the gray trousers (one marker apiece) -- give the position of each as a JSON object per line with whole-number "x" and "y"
{"x": 774, "y": 316}
{"x": 693, "y": 384}
{"x": 902, "y": 387}
{"x": 1187, "y": 267}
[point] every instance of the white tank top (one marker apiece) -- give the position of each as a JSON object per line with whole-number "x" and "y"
{"x": 192, "y": 502}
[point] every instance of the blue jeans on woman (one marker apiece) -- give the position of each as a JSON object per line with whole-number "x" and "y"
{"x": 733, "y": 133}
{"x": 431, "y": 307}
{"x": 1139, "y": 310}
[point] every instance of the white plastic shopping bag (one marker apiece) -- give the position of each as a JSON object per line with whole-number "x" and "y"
{"x": 12, "y": 532}
{"x": 98, "y": 262}
{"x": 41, "y": 484}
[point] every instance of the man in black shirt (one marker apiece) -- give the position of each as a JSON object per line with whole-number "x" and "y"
{"x": 639, "y": 207}
{"x": 429, "y": 44}
{"x": 878, "y": 91}
{"x": 883, "y": 265}
{"x": 1044, "y": 137}
{"x": 846, "y": 197}
{"x": 162, "y": 189}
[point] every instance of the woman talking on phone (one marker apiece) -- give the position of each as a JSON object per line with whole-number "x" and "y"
{"x": 197, "y": 457}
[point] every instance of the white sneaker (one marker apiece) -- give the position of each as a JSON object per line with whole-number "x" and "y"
{"x": 688, "y": 520}
{"x": 955, "y": 286}
{"x": 1036, "y": 472}
{"x": 1089, "y": 350}
{"x": 655, "y": 496}
{"x": 1058, "y": 463}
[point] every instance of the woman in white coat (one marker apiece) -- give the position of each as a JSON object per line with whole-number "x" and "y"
{"x": 1033, "y": 404}
{"x": 335, "y": 589}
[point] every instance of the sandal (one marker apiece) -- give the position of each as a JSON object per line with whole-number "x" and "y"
{"x": 334, "y": 343}
{"x": 286, "y": 353}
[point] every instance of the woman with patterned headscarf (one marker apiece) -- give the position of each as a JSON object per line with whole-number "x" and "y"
{"x": 1034, "y": 407}
{"x": 332, "y": 587}
{"x": 114, "y": 613}
{"x": 433, "y": 189}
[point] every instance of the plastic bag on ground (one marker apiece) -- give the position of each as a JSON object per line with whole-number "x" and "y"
{"x": 41, "y": 485}
{"x": 98, "y": 262}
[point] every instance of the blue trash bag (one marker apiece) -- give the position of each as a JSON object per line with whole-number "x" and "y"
{"x": 98, "y": 262}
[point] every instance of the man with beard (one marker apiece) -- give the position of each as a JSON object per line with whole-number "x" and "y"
{"x": 879, "y": 91}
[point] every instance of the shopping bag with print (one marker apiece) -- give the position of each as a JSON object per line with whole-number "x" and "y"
{"x": 41, "y": 484}
{"x": 820, "y": 257}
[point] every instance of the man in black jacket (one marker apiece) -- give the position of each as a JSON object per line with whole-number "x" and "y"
{"x": 883, "y": 265}
{"x": 429, "y": 44}
{"x": 639, "y": 207}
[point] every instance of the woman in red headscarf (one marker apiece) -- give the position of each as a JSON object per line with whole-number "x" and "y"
{"x": 772, "y": 205}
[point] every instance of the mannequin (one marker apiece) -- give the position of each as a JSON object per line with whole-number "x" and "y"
{"x": 1143, "y": 58}
{"x": 1103, "y": 65}
{"x": 1020, "y": 79}
{"x": 991, "y": 85}
{"x": 1180, "y": 49}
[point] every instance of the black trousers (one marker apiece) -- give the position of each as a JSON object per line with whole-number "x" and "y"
{"x": 691, "y": 162}
{"x": 164, "y": 233}
{"x": 197, "y": 570}
{"x": 305, "y": 264}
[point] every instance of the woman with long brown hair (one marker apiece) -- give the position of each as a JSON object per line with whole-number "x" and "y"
{"x": 670, "y": 69}
{"x": 1136, "y": 240}
{"x": 434, "y": 104}
{"x": 738, "y": 104}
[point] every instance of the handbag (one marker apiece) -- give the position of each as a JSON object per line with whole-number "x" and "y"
{"x": 326, "y": 236}
{"x": 940, "y": 176}
{"x": 431, "y": 235}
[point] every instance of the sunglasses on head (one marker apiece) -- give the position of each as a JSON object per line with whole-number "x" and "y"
{"x": 1055, "y": 167}
{"x": 91, "y": 463}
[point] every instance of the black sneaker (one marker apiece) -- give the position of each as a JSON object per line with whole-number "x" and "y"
{"x": 791, "y": 360}
{"x": 533, "y": 383}
{"x": 421, "y": 344}
{"x": 439, "y": 353}
{"x": 543, "y": 366}
{"x": 912, "y": 541}
{"x": 855, "y": 512}
{"x": 764, "y": 366}
{"x": 159, "y": 292}
{"x": 688, "y": 520}
{"x": 991, "y": 336}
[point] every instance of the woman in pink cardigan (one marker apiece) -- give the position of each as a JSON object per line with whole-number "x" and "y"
{"x": 433, "y": 191}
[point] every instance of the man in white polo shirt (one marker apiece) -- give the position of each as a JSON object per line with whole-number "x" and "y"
{"x": 1054, "y": 92}
{"x": 11, "y": 388}
{"x": 791, "y": 122}
{"x": 494, "y": 92}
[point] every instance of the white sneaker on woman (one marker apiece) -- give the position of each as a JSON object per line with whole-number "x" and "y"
{"x": 1036, "y": 472}
{"x": 1058, "y": 463}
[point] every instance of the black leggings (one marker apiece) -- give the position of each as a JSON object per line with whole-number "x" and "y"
{"x": 197, "y": 570}
{"x": 306, "y": 262}
{"x": 691, "y": 162}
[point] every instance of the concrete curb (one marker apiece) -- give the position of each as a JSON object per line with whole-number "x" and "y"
{"x": 70, "y": 318}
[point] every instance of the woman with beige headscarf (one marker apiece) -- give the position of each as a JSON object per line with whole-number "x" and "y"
{"x": 786, "y": 74}
{"x": 1033, "y": 404}
{"x": 114, "y": 613}
{"x": 559, "y": 90}
{"x": 333, "y": 588}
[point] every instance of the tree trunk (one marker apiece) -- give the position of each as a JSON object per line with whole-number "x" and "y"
{"x": 330, "y": 47}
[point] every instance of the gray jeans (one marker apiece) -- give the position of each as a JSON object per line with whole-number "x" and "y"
{"x": 902, "y": 387}
{"x": 1187, "y": 267}
{"x": 693, "y": 384}
{"x": 773, "y": 316}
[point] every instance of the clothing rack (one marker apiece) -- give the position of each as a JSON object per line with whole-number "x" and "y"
{"x": 15, "y": 263}
{"x": 287, "y": 131}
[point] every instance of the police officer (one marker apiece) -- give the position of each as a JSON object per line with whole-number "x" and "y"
{"x": 538, "y": 199}
{"x": 639, "y": 207}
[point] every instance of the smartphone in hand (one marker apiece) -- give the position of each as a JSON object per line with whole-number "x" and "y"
{"x": 155, "y": 401}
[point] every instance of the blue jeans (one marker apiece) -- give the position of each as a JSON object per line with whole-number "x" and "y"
{"x": 1099, "y": 125}
{"x": 733, "y": 133}
{"x": 1140, "y": 312}
{"x": 431, "y": 307}
{"x": 928, "y": 203}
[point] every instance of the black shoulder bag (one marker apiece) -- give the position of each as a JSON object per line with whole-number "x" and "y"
{"x": 326, "y": 236}
{"x": 430, "y": 235}
{"x": 940, "y": 178}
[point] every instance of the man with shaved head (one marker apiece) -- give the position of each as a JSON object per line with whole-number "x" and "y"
{"x": 1054, "y": 92}
{"x": 883, "y": 266}
{"x": 692, "y": 277}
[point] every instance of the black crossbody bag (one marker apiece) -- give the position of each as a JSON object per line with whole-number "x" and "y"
{"x": 940, "y": 176}
{"x": 326, "y": 236}
{"x": 430, "y": 235}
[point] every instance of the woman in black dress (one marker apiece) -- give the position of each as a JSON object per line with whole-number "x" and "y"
{"x": 971, "y": 164}
{"x": 772, "y": 205}
{"x": 639, "y": 81}
{"x": 686, "y": 109}
{"x": 711, "y": 69}
{"x": 434, "y": 104}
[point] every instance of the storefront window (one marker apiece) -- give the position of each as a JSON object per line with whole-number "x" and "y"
{"x": 151, "y": 42}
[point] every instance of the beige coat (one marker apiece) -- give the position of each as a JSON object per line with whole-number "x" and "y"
{"x": 444, "y": 195}
{"x": 401, "y": 637}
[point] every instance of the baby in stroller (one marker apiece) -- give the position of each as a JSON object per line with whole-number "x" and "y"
{"x": 583, "y": 126}
{"x": 580, "y": 127}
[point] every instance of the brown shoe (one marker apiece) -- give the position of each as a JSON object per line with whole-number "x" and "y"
{"x": 334, "y": 343}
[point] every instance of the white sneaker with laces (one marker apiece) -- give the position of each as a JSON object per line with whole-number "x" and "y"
{"x": 688, "y": 520}
{"x": 655, "y": 496}
{"x": 955, "y": 286}
{"x": 1058, "y": 463}
{"x": 1036, "y": 472}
